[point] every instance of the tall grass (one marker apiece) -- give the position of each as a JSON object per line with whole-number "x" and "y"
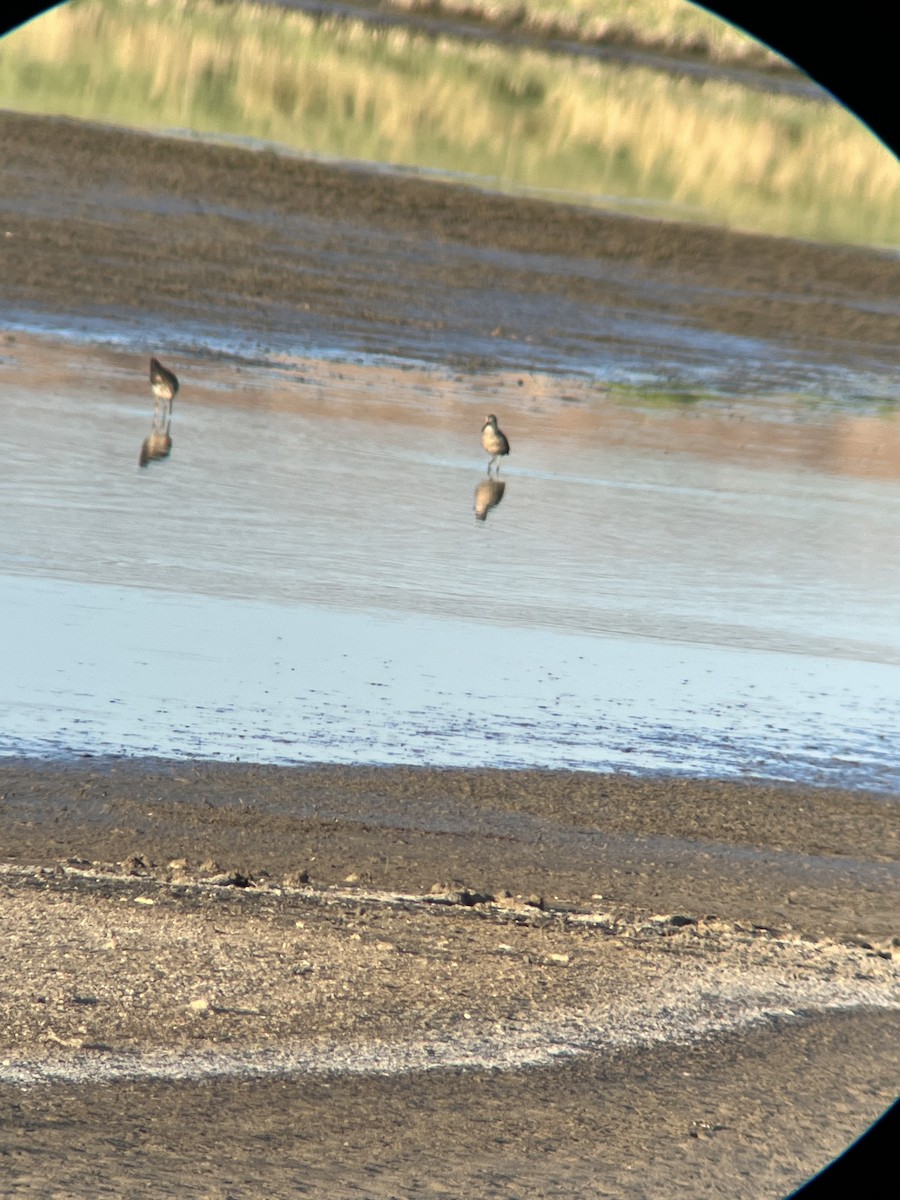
{"x": 601, "y": 133}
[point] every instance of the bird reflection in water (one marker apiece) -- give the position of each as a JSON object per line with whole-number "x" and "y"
{"x": 488, "y": 495}
{"x": 158, "y": 444}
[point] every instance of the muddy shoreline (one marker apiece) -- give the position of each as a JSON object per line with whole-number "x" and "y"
{"x": 819, "y": 860}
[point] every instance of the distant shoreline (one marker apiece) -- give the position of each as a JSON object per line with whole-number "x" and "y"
{"x": 553, "y": 30}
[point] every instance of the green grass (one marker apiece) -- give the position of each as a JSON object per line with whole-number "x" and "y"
{"x": 594, "y": 132}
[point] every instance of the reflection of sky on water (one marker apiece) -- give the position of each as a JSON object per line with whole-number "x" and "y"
{"x": 131, "y": 670}
{"x": 293, "y": 587}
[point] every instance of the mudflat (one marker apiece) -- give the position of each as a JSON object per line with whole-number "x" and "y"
{"x": 111, "y": 221}
{"x": 226, "y": 980}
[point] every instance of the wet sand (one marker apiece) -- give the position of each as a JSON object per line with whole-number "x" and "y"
{"x": 816, "y": 859}
{"x": 234, "y": 981}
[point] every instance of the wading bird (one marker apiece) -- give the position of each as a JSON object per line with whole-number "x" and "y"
{"x": 494, "y": 441}
{"x": 159, "y": 442}
{"x": 164, "y": 384}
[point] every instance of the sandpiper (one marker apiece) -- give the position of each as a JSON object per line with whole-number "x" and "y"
{"x": 163, "y": 381}
{"x": 494, "y": 441}
{"x": 164, "y": 384}
{"x": 159, "y": 442}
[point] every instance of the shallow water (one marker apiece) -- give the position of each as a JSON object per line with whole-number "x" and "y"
{"x": 304, "y": 579}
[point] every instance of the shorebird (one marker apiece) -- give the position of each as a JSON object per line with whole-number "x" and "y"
{"x": 165, "y": 385}
{"x": 494, "y": 441}
{"x": 159, "y": 442}
{"x": 488, "y": 495}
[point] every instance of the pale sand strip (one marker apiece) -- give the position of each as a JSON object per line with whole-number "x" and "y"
{"x": 143, "y": 980}
{"x": 537, "y": 1044}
